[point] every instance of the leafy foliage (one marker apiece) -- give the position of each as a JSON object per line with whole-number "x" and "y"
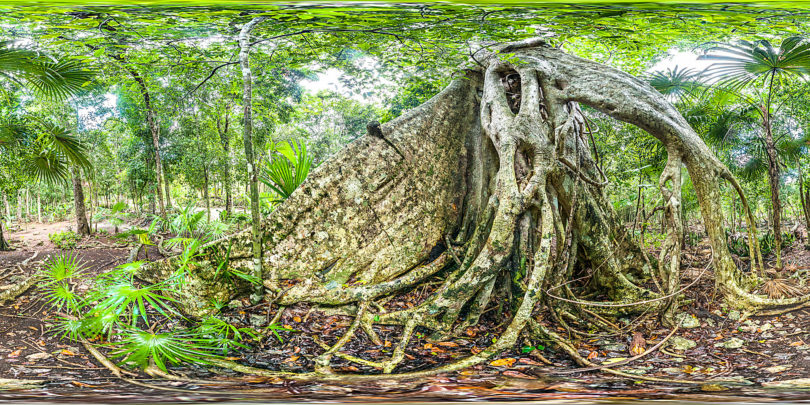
{"x": 65, "y": 240}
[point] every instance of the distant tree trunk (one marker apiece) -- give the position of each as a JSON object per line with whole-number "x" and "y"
{"x": 27, "y": 205}
{"x": 19, "y": 207}
{"x": 39, "y": 208}
{"x": 804, "y": 196}
{"x": 252, "y": 172}
{"x": 168, "y": 190}
{"x": 773, "y": 183}
{"x": 3, "y": 244}
{"x": 7, "y": 205}
{"x": 205, "y": 194}
{"x": 82, "y": 227}
{"x": 225, "y": 141}
{"x": 154, "y": 128}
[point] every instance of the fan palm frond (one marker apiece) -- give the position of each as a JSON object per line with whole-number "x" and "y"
{"x": 738, "y": 65}
{"x": 52, "y": 77}
{"x": 675, "y": 83}
{"x": 288, "y": 169}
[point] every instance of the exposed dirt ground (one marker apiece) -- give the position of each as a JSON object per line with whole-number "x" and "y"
{"x": 734, "y": 356}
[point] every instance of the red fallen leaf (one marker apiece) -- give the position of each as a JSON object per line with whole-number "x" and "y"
{"x": 524, "y": 360}
{"x": 470, "y": 332}
{"x": 592, "y": 355}
{"x": 505, "y": 362}
{"x": 297, "y": 350}
{"x": 518, "y": 374}
{"x": 15, "y": 353}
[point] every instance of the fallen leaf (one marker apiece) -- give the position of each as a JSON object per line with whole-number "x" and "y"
{"x": 15, "y": 353}
{"x": 67, "y": 352}
{"x": 505, "y": 362}
{"x": 530, "y": 362}
{"x": 296, "y": 318}
{"x": 518, "y": 374}
{"x": 448, "y": 344}
{"x": 592, "y": 355}
{"x": 82, "y": 385}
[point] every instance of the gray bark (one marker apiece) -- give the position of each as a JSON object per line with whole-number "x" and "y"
{"x": 247, "y": 138}
{"x": 82, "y": 227}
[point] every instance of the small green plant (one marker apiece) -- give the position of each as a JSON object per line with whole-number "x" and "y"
{"x": 144, "y": 347}
{"x": 287, "y": 168}
{"x": 65, "y": 240}
{"x": 224, "y": 335}
{"x": 125, "y": 299}
{"x": 275, "y": 328}
{"x": 58, "y": 275}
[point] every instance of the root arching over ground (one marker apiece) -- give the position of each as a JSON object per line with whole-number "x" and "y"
{"x": 494, "y": 186}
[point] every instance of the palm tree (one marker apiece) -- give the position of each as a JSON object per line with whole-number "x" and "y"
{"x": 762, "y": 68}
{"x": 50, "y": 150}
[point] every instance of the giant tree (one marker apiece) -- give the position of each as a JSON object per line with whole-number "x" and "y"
{"x": 491, "y": 186}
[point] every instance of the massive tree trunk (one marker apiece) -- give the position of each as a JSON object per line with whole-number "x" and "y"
{"x": 492, "y": 187}
{"x": 82, "y": 227}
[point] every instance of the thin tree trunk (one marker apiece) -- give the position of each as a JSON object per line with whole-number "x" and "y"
{"x": 804, "y": 197}
{"x": 168, "y": 190}
{"x": 19, "y": 207}
{"x": 247, "y": 101}
{"x": 39, "y": 208}
{"x": 773, "y": 183}
{"x": 205, "y": 194}
{"x": 8, "y": 206}
{"x": 154, "y": 128}
{"x": 222, "y": 129}
{"x": 82, "y": 228}
{"x": 3, "y": 244}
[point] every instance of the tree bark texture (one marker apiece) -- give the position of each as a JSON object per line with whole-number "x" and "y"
{"x": 82, "y": 227}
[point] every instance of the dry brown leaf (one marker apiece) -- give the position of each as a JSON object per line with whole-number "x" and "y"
{"x": 505, "y": 362}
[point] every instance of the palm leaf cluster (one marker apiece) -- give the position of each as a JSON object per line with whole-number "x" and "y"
{"x": 287, "y": 168}
{"x": 51, "y": 77}
{"x": 740, "y": 64}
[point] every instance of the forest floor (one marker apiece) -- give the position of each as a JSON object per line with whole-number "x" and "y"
{"x": 728, "y": 355}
